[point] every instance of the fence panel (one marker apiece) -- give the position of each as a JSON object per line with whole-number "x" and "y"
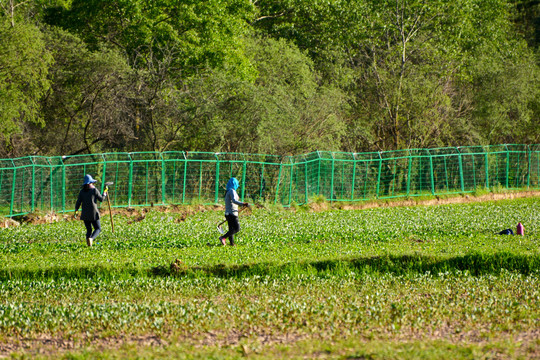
{"x": 174, "y": 163}
{"x": 498, "y": 161}
{"x": 474, "y": 167}
{"x": 147, "y": 179}
{"x": 534, "y": 165}
{"x": 366, "y": 171}
{"x": 421, "y": 181}
{"x": 116, "y": 169}
{"x": 176, "y": 177}
{"x": 446, "y": 170}
{"x": 8, "y": 177}
{"x": 200, "y": 177}
{"x": 72, "y": 170}
{"x": 394, "y": 172}
{"x": 518, "y": 168}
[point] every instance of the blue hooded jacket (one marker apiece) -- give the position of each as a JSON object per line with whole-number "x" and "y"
{"x": 231, "y": 198}
{"x": 232, "y": 184}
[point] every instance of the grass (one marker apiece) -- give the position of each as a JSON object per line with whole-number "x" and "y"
{"x": 392, "y": 283}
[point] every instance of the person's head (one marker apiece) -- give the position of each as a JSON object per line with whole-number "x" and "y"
{"x": 88, "y": 181}
{"x": 232, "y": 184}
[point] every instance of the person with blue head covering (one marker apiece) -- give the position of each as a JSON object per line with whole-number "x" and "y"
{"x": 232, "y": 201}
{"x": 88, "y": 198}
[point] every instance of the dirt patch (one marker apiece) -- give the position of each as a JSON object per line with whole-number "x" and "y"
{"x": 317, "y": 207}
{"x": 45, "y": 345}
{"x": 138, "y": 214}
{"x": 39, "y": 218}
{"x": 50, "y": 346}
{"x": 439, "y": 200}
{"x": 7, "y": 222}
{"x": 527, "y": 340}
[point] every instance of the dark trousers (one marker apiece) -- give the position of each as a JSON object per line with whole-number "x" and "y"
{"x": 234, "y": 227}
{"x": 97, "y": 228}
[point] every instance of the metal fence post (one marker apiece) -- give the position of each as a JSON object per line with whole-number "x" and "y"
{"x": 1, "y": 178}
{"x": 33, "y": 184}
{"x": 200, "y": 180}
{"x": 319, "y": 173}
{"x": 63, "y": 186}
{"x": 432, "y": 173}
{"x": 353, "y": 176}
{"x": 343, "y": 167}
{"x": 462, "y": 180}
{"x": 22, "y": 188}
{"x": 52, "y": 178}
{"x": 409, "y": 169}
{"x": 538, "y": 165}
{"x": 115, "y": 182}
{"x": 291, "y": 180}
{"x": 473, "y": 172}
{"x": 332, "y": 178}
{"x": 13, "y": 189}
{"x": 507, "y": 165}
{"x": 278, "y": 181}
{"x": 216, "y": 197}
{"x": 263, "y": 182}
{"x": 130, "y": 179}
{"x": 379, "y": 176}
{"x": 486, "y": 160}
{"x": 366, "y": 179}
{"x": 173, "y": 179}
{"x": 184, "y": 182}
{"x": 243, "y": 180}
{"x": 529, "y": 155}
{"x": 163, "y": 178}
{"x": 104, "y": 174}
{"x": 306, "y": 180}
{"x": 147, "y": 180}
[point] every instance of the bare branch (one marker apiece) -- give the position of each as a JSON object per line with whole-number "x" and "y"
{"x": 268, "y": 17}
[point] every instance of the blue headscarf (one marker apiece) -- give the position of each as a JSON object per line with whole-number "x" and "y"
{"x": 232, "y": 184}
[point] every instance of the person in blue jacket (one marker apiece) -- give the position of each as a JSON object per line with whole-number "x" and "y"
{"x": 88, "y": 198}
{"x": 232, "y": 201}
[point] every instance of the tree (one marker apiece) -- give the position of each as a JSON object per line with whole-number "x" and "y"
{"x": 526, "y": 18}
{"x": 205, "y": 33}
{"x": 89, "y": 107}
{"x": 507, "y": 97}
{"x": 24, "y": 63}
{"x": 409, "y": 62}
{"x": 294, "y": 111}
{"x": 284, "y": 111}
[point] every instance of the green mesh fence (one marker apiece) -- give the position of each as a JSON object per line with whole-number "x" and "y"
{"x": 176, "y": 177}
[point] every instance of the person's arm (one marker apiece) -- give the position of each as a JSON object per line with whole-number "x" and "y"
{"x": 78, "y": 204}
{"x": 239, "y": 203}
{"x": 99, "y": 196}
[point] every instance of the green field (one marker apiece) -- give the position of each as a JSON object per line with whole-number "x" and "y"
{"x": 431, "y": 282}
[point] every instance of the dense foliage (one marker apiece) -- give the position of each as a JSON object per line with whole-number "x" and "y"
{"x": 427, "y": 274}
{"x": 279, "y": 76}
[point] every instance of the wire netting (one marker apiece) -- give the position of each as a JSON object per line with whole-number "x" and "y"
{"x": 180, "y": 177}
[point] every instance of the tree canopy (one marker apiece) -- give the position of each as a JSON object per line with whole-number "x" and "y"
{"x": 279, "y": 76}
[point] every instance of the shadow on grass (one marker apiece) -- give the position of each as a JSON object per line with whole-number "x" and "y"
{"x": 475, "y": 264}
